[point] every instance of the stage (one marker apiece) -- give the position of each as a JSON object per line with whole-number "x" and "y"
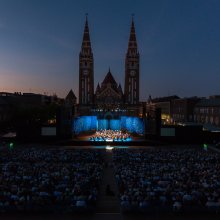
{"x": 112, "y": 137}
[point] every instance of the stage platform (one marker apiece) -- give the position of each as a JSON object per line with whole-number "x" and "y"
{"x": 87, "y": 139}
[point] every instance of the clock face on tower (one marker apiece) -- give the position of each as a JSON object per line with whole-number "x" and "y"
{"x": 132, "y": 73}
{"x": 85, "y": 72}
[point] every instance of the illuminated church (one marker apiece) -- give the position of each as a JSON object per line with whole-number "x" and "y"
{"x": 108, "y": 101}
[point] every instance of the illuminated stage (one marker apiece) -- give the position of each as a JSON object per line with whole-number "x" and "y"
{"x": 97, "y": 131}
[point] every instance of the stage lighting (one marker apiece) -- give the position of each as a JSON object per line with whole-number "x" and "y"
{"x": 109, "y": 148}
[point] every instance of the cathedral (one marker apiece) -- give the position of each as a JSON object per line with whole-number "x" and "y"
{"x": 108, "y": 99}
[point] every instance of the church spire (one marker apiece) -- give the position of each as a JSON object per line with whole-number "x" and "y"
{"x": 132, "y": 44}
{"x": 86, "y": 44}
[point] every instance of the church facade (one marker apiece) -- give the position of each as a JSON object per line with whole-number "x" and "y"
{"x": 108, "y": 99}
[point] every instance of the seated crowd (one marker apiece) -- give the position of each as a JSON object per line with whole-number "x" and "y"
{"x": 49, "y": 180}
{"x": 164, "y": 180}
{"x": 110, "y": 135}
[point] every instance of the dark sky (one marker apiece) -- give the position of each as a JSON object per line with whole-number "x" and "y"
{"x": 178, "y": 40}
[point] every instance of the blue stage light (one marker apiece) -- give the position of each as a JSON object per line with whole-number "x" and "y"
{"x": 84, "y": 123}
{"x": 132, "y": 124}
{"x": 102, "y": 124}
{"x": 115, "y": 124}
{"x": 87, "y": 123}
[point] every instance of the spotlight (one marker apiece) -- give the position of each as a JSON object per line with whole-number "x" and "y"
{"x": 109, "y": 148}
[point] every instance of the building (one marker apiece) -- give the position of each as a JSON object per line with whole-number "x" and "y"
{"x": 182, "y": 110}
{"x": 109, "y": 100}
{"x": 86, "y": 74}
{"x": 29, "y": 113}
{"x": 207, "y": 111}
{"x": 162, "y": 103}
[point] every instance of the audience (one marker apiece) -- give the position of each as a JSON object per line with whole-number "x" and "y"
{"x": 177, "y": 180}
{"x": 168, "y": 180}
{"x": 49, "y": 180}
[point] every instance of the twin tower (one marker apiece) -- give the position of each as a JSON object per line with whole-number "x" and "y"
{"x": 86, "y": 72}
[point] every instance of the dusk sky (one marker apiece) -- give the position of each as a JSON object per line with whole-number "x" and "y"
{"x": 178, "y": 41}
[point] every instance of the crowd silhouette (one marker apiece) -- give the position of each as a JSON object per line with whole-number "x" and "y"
{"x": 168, "y": 180}
{"x": 149, "y": 180}
{"x": 49, "y": 180}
